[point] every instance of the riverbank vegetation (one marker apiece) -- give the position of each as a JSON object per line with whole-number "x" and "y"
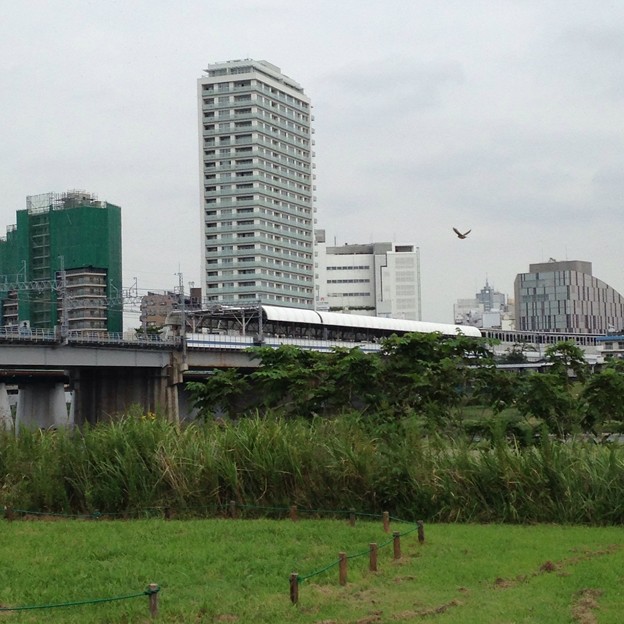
{"x": 428, "y": 429}
{"x": 136, "y": 464}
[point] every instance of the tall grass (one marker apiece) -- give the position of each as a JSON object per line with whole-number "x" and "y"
{"x": 135, "y": 464}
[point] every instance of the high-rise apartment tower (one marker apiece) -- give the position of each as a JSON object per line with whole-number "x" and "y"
{"x": 256, "y": 185}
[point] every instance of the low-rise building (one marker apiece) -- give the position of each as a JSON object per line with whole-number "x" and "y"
{"x": 156, "y": 306}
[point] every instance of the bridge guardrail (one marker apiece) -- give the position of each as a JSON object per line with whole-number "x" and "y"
{"x": 26, "y": 334}
{"x": 228, "y": 341}
{"x": 51, "y": 336}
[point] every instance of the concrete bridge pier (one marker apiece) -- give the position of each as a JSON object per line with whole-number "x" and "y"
{"x": 104, "y": 393}
{"x": 42, "y": 405}
{"x": 6, "y": 420}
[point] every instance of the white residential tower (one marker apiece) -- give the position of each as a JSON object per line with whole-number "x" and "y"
{"x": 256, "y": 185}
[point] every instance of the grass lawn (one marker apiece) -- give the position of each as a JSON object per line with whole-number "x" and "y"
{"x": 237, "y": 571}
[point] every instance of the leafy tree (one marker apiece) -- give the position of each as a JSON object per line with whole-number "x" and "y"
{"x": 515, "y": 354}
{"x": 291, "y": 379}
{"x": 498, "y": 389}
{"x": 567, "y": 356}
{"x": 422, "y": 370}
{"x": 222, "y": 391}
{"x": 353, "y": 379}
{"x": 546, "y": 396}
{"x": 603, "y": 396}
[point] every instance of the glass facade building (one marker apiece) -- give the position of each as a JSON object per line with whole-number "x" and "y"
{"x": 565, "y": 297}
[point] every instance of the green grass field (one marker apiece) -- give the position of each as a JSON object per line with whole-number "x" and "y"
{"x": 238, "y": 570}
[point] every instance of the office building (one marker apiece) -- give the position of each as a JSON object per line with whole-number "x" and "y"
{"x": 565, "y": 297}
{"x": 60, "y": 265}
{"x": 489, "y": 309}
{"x": 256, "y": 185}
{"x": 376, "y": 279}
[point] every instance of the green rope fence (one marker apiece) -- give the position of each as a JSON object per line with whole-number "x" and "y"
{"x": 150, "y": 591}
{"x": 231, "y": 509}
{"x": 341, "y": 562}
{"x": 300, "y": 579}
{"x": 165, "y": 511}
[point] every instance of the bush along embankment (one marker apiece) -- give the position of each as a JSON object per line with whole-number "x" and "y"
{"x": 137, "y": 464}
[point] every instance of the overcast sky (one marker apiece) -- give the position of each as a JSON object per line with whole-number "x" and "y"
{"x": 504, "y": 117}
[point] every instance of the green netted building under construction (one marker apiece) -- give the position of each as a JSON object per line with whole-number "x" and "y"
{"x": 60, "y": 265}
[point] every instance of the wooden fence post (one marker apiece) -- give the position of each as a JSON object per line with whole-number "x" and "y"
{"x": 396, "y": 544}
{"x": 294, "y": 588}
{"x": 293, "y": 513}
{"x": 352, "y": 517}
{"x": 342, "y": 568}
{"x": 421, "y": 532}
{"x": 386, "y": 522}
{"x": 153, "y": 600}
{"x": 372, "y": 563}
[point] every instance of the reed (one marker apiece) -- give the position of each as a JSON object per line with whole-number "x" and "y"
{"x": 137, "y": 464}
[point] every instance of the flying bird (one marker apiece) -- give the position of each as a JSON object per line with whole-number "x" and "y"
{"x": 460, "y": 235}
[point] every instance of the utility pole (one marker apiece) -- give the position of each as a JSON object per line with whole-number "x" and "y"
{"x": 182, "y": 313}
